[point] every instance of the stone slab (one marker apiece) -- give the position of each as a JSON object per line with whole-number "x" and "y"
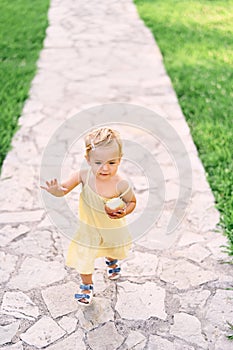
{"x": 74, "y": 341}
{"x": 159, "y": 343}
{"x": 135, "y": 339}
{"x": 193, "y": 300}
{"x": 42, "y": 246}
{"x": 104, "y": 337}
{"x": 8, "y": 233}
{"x": 223, "y": 343}
{"x": 7, "y": 263}
{"x": 183, "y": 274}
{"x": 100, "y": 311}
{"x": 68, "y": 324}
{"x": 21, "y": 216}
{"x": 189, "y": 237}
{"x": 218, "y": 246}
{"x": 195, "y": 252}
{"x": 141, "y": 264}
{"x": 19, "y": 305}
{"x": 219, "y": 310}
{"x": 36, "y": 273}
{"x": 60, "y": 299}
{"x": 16, "y": 346}
{"x": 188, "y": 327}
{"x": 42, "y": 333}
{"x": 181, "y": 345}
{"x": 7, "y": 332}
{"x": 98, "y": 278}
{"x": 148, "y": 297}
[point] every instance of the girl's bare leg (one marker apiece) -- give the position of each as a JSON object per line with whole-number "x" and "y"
{"x": 113, "y": 266}
{"x": 86, "y": 279}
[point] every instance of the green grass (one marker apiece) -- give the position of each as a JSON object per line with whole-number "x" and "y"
{"x": 22, "y": 30}
{"x": 230, "y": 337}
{"x": 195, "y": 38}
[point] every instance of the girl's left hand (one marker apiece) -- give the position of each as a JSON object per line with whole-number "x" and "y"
{"x": 115, "y": 213}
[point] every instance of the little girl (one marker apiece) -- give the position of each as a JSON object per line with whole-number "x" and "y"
{"x": 102, "y": 231}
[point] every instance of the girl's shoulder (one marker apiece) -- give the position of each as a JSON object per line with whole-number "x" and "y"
{"x": 126, "y": 189}
{"x": 123, "y": 184}
{"x": 83, "y": 175}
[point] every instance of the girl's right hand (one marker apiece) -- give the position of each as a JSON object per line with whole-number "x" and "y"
{"x": 54, "y": 188}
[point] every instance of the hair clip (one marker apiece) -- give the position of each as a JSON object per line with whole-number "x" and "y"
{"x": 92, "y": 145}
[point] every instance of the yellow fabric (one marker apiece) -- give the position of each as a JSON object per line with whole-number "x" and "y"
{"x": 98, "y": 235}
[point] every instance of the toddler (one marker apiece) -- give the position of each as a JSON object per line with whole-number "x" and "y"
{"x": 105, "y": 200}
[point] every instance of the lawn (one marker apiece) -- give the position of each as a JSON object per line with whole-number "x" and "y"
{"x": 195, "y": 38}
{"x": 22, "y": 30}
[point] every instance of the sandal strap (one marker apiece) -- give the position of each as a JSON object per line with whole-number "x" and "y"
{"x": 86, "y": 286}
{"x": 117, "y": 269}
{"x": 81, "y": 296}
{"x": 112, "y": 262}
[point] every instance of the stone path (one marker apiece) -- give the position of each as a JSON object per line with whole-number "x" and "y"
{"x": 177, "y": 296}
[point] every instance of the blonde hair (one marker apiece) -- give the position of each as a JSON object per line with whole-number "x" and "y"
{"x": 102, "y": 137}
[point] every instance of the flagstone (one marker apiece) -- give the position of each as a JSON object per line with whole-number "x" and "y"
{"x": 188, "y": 327}
{"x": 7, "y": 332}
{"x": 15, "y": 209}
{"x": 156, "y": 342}
{"x": 68, "y": 324}
{"x": 42, "y": 246}
{"x": 218, "y": 246}
{"x": 141, "y": 264}
{"x": 36, "y": 273}
{"x": 148, "y": 297}
{"x": 16, "y": 346}
{"x": 99, "y": 281}
{"x": 8, "y": 233}
{"x": 74, "y": 341}
{"x": 31, "y": 105}
{"x": 42, "y": 333}
{"x": 189, "y": 237}
{"x": 100, "y": 311}
{"x": 157, "y": 237}
{"x": 21, "y": 216}
{"x": 183, "y": 274}
{"x": 181, "y": 345}
{"x": 30, "y": 120}
{"x": 219, "y": 310}
{"x": 196, "y": 253}
{"x": 7, "y": 265}
{"x": 19, "y": 305}
{"x": 135, "y": 340}
{"x": 104, "y": 337}
{"x": 223, "y": 343}
{"x": 193, "y": 299}
{"x": 60, "y": 299}
{"x": 202, "y": 215}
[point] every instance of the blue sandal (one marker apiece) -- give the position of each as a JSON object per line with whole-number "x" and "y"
{"x": 81, "y": 296}
{"x": 111, "y": 271}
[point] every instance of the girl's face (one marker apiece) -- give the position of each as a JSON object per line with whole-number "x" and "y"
{"x": 104, "y": 161}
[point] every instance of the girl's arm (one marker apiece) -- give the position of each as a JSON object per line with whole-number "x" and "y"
{"x": 129, "y": 199}
{"x": 59, "y": 190}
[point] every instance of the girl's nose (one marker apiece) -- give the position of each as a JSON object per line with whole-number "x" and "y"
{"x": 105, "y": 166}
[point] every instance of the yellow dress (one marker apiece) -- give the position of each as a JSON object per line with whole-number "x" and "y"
{"x": 98, "y": 235}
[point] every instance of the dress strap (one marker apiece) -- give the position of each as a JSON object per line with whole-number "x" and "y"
{"x": 88, "y": 177}
{"x": 127, "y": 190}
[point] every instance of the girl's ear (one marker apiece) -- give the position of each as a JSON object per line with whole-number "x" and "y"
{"x": 87, "y": 158}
